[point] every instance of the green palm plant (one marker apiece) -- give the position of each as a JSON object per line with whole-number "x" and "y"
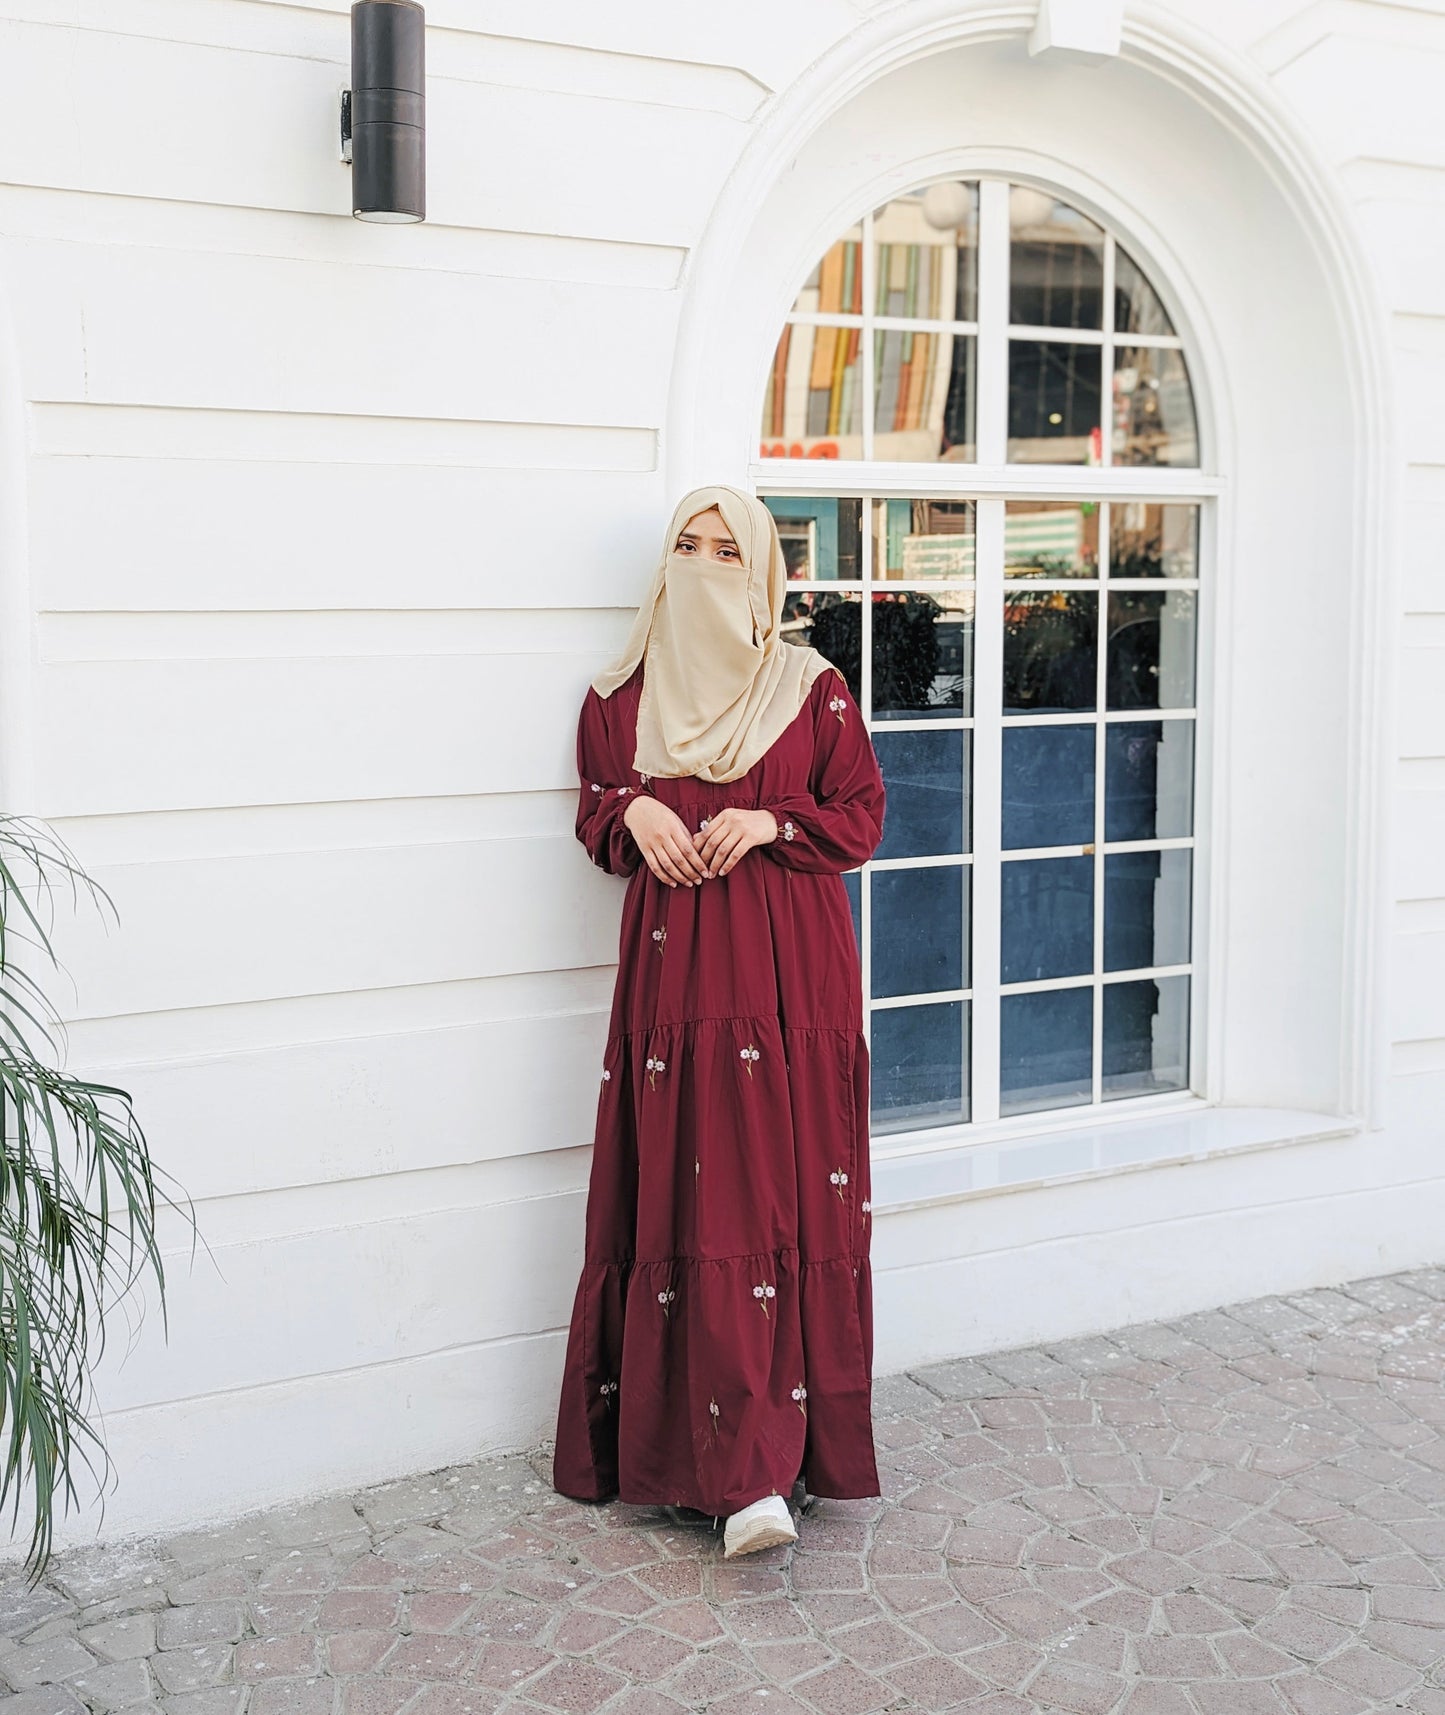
{"x": 78, "y": 1200}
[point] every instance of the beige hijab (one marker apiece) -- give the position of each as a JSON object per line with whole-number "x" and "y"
{"x": 719, "y": 684}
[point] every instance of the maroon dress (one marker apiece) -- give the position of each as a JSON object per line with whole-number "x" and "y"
{"x": 721, "y": 1341}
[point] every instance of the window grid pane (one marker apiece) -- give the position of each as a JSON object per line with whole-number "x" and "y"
{"x": 1078, "y": 617}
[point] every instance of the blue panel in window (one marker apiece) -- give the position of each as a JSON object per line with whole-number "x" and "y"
{"x": 920, "y": 929}
{"x": 1146, "y": 909}
{"x": 1046, "y": 1050}
{"x": 1148, "y": 780}
{"x": 919, "y": 1070}
{"x": 853, "y": 882}
{"x": 1048, "y": 786}
{"x": 1047, "y": 919}
{"x": 1146, "y": 1037}
{"x": 927, "y": 788}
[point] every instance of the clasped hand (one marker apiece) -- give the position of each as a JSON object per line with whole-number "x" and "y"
{"x": 678, "y": 857}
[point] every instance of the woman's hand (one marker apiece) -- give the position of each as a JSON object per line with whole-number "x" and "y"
{"x": 664, "y": 841}
{"x": 730, "y": 833}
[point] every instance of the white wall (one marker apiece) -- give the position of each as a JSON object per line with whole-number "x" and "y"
{"x": 324, "y": 527}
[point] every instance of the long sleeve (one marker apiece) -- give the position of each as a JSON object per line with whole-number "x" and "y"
{"x": 607, "y": 787}
{"x": 838, "y": 823}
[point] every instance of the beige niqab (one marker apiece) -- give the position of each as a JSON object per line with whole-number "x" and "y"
{"x": 719, "y": 683}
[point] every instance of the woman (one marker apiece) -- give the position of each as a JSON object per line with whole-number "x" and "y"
{"x": 721, "y": 1340}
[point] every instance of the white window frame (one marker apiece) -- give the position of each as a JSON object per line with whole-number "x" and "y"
{"x": 991, "y": 482}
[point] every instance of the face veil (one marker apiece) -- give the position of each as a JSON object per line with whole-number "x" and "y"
{"x": 719, "y": 683}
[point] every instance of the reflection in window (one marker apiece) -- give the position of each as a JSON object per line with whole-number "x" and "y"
{"x": 1056, "y": 263}
{"x": 919, "y": 1066}
{"x": 1048, "y": 786}
{"x": 1146, "y": 1037}
{"x": 1153, "y": 408}
{"x": 1053, "y": 402}
{"x": 822, "y": 538}
{"x": 1151, "y": 649}
{"x": 920, "y": 930}
{"x": 828, "y": 621}
{"x": 923, "y": 653}
{"x": 814, "y": 389}
{"x": 1051, "y": 539}
{"x": 922, "y": 539}
{"x": 1149, "y": 541}
{"x": 1146, "y": 909}
{"x": 1047, "y": 919}
{"x": 1136, "y": 304}
{"x": 1046, "y": 1050}
{"x": 925, "y": 777}
{"x": 1083, "y": 389}
{"x": 1063, "y": 804}
{"x": 1148, "y": 780}
{"x": 1049, "y": 642}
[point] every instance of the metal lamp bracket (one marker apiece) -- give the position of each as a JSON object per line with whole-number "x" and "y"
{"x": 346, "y": 126}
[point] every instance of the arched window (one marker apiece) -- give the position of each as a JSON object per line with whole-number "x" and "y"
{"x": 979, "y": 440}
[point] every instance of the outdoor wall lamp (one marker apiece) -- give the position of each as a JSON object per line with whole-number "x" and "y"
{"x": 383, "y": 114}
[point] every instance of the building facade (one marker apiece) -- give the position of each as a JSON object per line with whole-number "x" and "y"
{"x": 1085, "y": 360}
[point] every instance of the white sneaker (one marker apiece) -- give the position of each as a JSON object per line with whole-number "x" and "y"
{"x": 762, "y": 1525}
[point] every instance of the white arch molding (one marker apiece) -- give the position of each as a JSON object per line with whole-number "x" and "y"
{"x": 1242, "y": 231}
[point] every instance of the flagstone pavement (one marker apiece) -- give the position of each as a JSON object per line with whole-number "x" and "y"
{"x": 1240, "y": 1512}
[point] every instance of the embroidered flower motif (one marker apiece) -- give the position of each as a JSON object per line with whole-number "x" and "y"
{"x": 748, "y": 1055}
{"x": 704, "y": 824}
{"x": 666, "y": 1298}
{"x": 596, "y": 787}
{"x": 644, "y": 778}
{"x": 660, "y": 936}
{"x": 800, "y": 1393}
{"x": 607, "y": 1390}
{"x": 696, "y": 1167}
{"x": 838, "y": 705}
{"x": 838, "y": 1179}
{"x": 622, "y": 791}
{"x": 654, "y": 1066}
{"x": 606, "y": 1076}
{"x": 763, "y": 1293}
{"x": 788, "y": 831}
{"x": 866, "y": 1206}
{"x": 713, "y": 1415}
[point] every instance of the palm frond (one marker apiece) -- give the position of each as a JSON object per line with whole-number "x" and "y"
{"x": 79, "y": 1195}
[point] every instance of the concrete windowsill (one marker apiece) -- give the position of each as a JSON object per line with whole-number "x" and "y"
{"x": 998, "y": 1162}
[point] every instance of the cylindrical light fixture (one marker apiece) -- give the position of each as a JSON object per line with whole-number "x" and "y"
{"x": 388, "y": 111}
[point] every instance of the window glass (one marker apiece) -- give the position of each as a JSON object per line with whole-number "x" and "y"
{"x": 1151, "y": 649}
{"x": 1056, "y": 263}
{"x": 1048, "y": 786}
{"x": 1150, "y": 541}
{"x": 1046, "y": 1050}
{"x": 1047, "y": 919}
{"x": 920, "y": 929}
{"x": 1061, "y": 803}
{"x": 1053, "y": 402}
{"x": 919, "y": 1066}
{"x": 926, "y": 777}
{"x": 925, "y": 398}
{"x": 822, "y": 537}
{"x": 1051, "y": 539}
{"x": 813, "y": 403}
{"x": 1050, "y": 643}
{"x": 1146, "y": 909}
{"x": 1136, "y": 304}
{"x": 1153, "y": 408}
{"x": 926, "y": 253}
{"x": 1146, "y": 1037}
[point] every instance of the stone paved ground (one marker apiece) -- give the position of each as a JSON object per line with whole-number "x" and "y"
{"x": 1233, "y": 1513}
